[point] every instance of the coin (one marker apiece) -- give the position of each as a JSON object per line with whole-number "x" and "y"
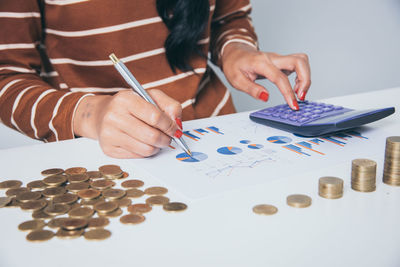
{"x": 54, "y": 180}
{"x": 55, "y": 223}
{"x": 4, "y": 201}
{"x": 122, "y": 202}
{"x": 81, "y": 212}
{"x": 113, "y": 193}
{"x": 53, "y": 192}
{"x": 76, "y": 187}
{"x": 75, "y": 170}
{"x": 31, "y": 225}
{"x": 363, "y": 175}
{"x": 38, "y": 184}
{"x": 157, "y": 200}
{"x": 65, "y": 234}
{"x": 56, "y": 209}
{"x": 105, "y": 207}
{"x": 33, "y": 205}
{"x": 15, "y": 191}
{"x": 391, "y": 169}
{"x": 102, "y": 184}
{"x": 124, "y": 175}
{"x": 67, "y": 198}
{"x": 89, "y": 194}
{"x": 13, "y": 203}
{"x": 111, "y": 170}
{"x": 139, "y": 208}
{"x": 73, "y": 223}
{"x": 92, "y": 202}
{"x": 298, "y": 201}
{"x": 265, "y": 209}
{"x": 100, "y": 222}
{"x": 156, "y": 190}
{"x": 116, "y": 213}
{"x": 134, "y": 193}
{"x": 132, "y": 184}
{"x": 53, "y": 171}
{"x": 94, "y": 174}
{"x": 174, "y": 206}
{"x": 78, "y": 178}
{"x": 40, "y": 214}
{"x": 330, "y": 187}
{"x": 27, "y": 196}
{"x": 132, "y": 219}
{"x": 97, "y": 234}
{"x": 39, "y": 235}
{"x": 10, "y": 184}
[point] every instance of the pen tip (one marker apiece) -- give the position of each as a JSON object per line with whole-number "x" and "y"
{"x": 190, "y": 152}
{"x": 114, "y": 58}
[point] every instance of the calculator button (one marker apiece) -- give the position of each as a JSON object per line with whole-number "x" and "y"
{"x": 276, "y": 114}
{"x": 304, "y": 119}
{"x": 315, "y": 116}
{"x": 284, "y": 116}
{"x": 293, "y": 118}
{"x": 327, "y": 109}
{"x": 338, "y": 108}
{"x": 318, "y": 111}
{"x": 306, "y": 114}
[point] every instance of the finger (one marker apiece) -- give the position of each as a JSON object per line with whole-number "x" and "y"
{"x": 132, "y": 145}
{"x": 245, "y": 84}
{"x": 120, "y": 153}
{"x": 167, "y": 104}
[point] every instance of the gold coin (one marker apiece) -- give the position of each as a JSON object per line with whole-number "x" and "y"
{"x": 31, "y": 225}
{"x": 33, "y": 205}
{"x": 54, "y": 180}
{"x": 75, "y": 170}
{"x": 330, "y": 187}
{"x": 139, "y": 208}
{"x": 78, "y": 178}
{"x": 91, "y": 202}
{"x": 174, "y": 206}
{"x": 110, "y": 170}
{"x": 54, "y": 171}
{"x": 67, "y": 198}
{"x": 55, "y": 223}
{"x": 14, "y": 203}
{"x": 365, "y": 164}
{"x": 4, "y": 201}
{"x": 132, "y": 219}
{"x": 81, "y": 212}
{"x": 113, "y": 193}
{"x": 53, "y": 192}
{"x": 40, "y": 214}
{"x": 134, "y": 193}
{"x": 157, "y": 200}
{"x": 97, "y": 234}
{"x": 39, "y": 235}
{"x": 113, "y": 214}
{"x": 56, "y": 209}
{"x": 15, "y": 191}
{"x": 105, "y": 207}
{"x": 124, "y": 175}
{"x": 298, "y": 201}
{"x": 100, "y": 222}
{"x": 10, "y": 184}
{"x": 94, "y": 174}
{"x": 265, "y": 209}
{"x": 76, "y": 187}
{"x": 27, "y": 196}
{"x": 73, "y": 223}
{"x": 102, "y": 184}
{"x": 156, "y": 190}
{"x": 122, "y": 202}
{"x": 132, "y": 184}
{"x": 38, "y": 184}
{"x": 88, "y": 194}
{"x": 65, "y": 234}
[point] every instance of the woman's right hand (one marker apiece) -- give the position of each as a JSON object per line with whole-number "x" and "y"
{"x": 126, "y": 125}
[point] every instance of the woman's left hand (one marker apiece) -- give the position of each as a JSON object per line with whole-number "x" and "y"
{"x": 242, "y": 64}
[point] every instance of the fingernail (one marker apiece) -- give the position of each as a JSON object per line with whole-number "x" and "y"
{"x": 263, "y": 96}
{"x": 179, "y": 122}
{"x": 302, "y": 96}
{"x": 295, "y": 105}
{"x": 178, "y": 134}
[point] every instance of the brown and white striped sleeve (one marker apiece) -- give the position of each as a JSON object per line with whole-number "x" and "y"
{"x": 27, "y": 103}
{"x": 231, "y": 23}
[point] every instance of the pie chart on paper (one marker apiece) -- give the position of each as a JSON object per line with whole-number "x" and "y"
{"x": 196, "y": 157}
{"x": 229, "y": 150}
{"x": 279, "y": 139}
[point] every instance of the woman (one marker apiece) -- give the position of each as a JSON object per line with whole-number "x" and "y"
{"x": 56, "y": 81}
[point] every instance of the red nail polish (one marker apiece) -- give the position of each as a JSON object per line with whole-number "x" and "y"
{"x": 302, "y": 96}
{"x": 263, "y": 96}
{"x": 178, "y": 134}
{"x": 179, "y": 122}
{"x": 295, "y": 105}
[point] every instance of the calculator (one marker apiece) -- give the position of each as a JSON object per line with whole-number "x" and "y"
{"x": 315, "y": 119}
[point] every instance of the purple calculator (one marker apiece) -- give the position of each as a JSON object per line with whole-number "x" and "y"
{"x": 314, "y": 119}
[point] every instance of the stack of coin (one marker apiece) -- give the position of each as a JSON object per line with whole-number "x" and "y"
{"x": 363, "y": 175}
{"x": 330, "y": 187}
{"x": 111, "y": 172}
{"x": 391, "y": 169}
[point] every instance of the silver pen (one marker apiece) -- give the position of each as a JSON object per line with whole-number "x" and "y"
{"x": 131, "y": 80}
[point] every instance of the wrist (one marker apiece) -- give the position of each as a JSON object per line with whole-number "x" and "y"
{"x": 233, "y": 48}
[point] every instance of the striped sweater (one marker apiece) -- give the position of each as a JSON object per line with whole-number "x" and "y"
{"x": 52, "y": 57}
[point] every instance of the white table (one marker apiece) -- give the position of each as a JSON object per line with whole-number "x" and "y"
{"x": 360, "y": 229}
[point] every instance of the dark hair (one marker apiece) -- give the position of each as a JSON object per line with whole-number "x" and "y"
{"x": 186, "y": 21}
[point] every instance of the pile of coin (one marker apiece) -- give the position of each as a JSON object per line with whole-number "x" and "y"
{"x": 363, "y": 175}
{"x": 76, "y": 202}
{"x": 391, "y": 169}
{"x": 330, "y": 187}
